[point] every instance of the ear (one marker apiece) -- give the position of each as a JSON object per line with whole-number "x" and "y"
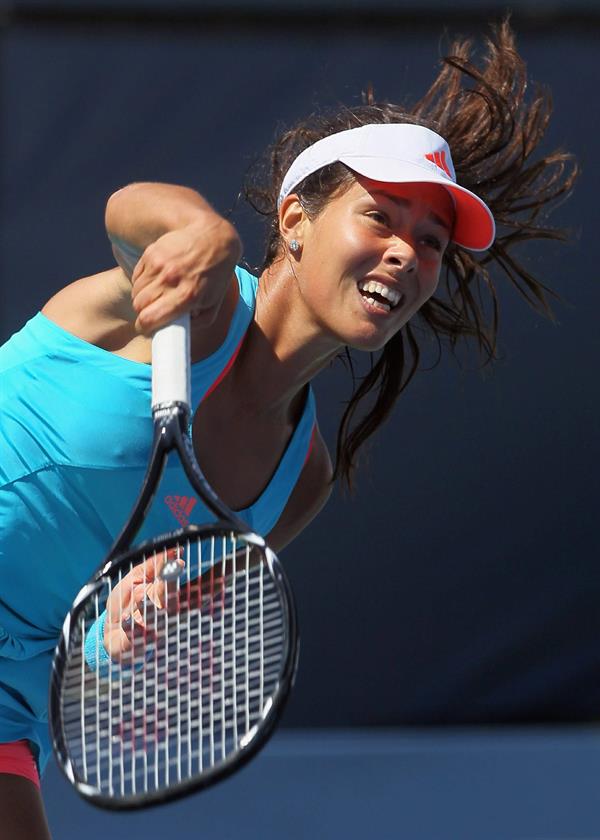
{"x": 292, "y": 218}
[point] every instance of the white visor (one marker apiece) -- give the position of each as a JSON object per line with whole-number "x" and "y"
{"x": 399, "y": 153}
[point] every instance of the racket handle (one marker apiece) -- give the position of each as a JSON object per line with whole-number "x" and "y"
{"x": 171, "y": 363}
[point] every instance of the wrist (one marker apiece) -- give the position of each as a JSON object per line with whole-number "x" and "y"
{"x": 223, "y": 236}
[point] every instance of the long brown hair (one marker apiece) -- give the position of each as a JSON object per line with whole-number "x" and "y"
{"x": 493, "y": 129}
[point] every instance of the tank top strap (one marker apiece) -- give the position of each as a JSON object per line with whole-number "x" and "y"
{"x": 207, "y": 373}
{"x": 267, "y": 509}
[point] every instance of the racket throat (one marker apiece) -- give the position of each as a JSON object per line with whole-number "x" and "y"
{"x": 171, "y": 428}
{"x": 166, "y": 417}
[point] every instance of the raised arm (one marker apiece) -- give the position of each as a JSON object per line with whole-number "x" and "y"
{"x": 175, "y": 253}
{"x": 179, "y": 253}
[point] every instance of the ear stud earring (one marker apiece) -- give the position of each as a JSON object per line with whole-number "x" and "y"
{"x": 294, "y": 245}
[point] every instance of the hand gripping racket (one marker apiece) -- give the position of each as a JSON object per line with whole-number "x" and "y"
{"x": 176, "y": 659}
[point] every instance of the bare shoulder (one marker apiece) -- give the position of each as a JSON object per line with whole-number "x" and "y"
{"x": 98, "y": 310}
{"x": 308, "y": 498}
{"x": 93, "y": 307}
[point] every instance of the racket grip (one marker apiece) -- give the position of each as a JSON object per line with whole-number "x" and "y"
{"x": 171, "y": 363}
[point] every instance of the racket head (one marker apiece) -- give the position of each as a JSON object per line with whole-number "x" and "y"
{"x": 200, "y": 690}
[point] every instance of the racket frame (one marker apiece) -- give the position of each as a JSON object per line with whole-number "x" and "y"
{"x": 252, "y": 742}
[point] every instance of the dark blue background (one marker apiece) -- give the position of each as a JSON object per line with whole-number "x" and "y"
{"x": 461, "y": 583}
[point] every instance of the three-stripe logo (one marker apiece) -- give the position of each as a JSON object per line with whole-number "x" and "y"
{"x": 181, "y": 507}
{"x": 439, "y": 158}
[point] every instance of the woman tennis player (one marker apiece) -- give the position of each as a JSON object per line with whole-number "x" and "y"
{"x": 367, "y": 207}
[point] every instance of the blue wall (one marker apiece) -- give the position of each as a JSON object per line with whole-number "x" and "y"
{"x": 391, "y": 785}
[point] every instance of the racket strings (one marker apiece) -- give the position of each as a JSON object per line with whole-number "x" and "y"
{"x": 200, "y": 676}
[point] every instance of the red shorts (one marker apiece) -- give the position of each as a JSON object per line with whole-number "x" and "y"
{"x": 16, "y": 758}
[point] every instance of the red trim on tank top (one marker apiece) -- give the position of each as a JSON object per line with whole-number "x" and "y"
{"x": 311, "y": 443}
{"x": 224, "y": 373}
{"x": 226, "y": 369}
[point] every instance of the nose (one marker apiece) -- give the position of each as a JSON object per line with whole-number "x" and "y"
{"x": 400, "y": 254}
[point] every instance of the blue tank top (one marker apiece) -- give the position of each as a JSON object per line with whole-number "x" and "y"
{"x": 75, "y": 435}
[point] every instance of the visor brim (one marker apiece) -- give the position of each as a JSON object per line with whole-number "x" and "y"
{"x": 474, "y": 227}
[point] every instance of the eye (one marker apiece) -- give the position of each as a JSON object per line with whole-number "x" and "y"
{"x": 433, "y": 242}
{"x": 379, "y": 217}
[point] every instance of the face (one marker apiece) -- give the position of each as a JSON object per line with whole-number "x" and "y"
{"x": 373, "y": 257}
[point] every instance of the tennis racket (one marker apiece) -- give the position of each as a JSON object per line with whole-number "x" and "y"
{"x": 176, "y": 659}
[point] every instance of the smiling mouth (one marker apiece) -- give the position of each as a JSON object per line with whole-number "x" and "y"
{"x": 379, "y": 296}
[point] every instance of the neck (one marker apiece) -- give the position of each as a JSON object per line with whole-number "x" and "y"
{"x": 284, "y": 348}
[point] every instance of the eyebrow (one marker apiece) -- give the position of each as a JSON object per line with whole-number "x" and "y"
{"x": 405, "y": 203}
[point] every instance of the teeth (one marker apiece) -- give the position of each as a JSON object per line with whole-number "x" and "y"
{"x": 378, "y": 304}
{"x": 373, "y": 286}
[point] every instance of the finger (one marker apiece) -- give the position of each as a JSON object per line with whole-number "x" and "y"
{"x": 133, "y": 637}
{"x": 148, "y": 266}
{"x": 163, "y": 276}
{"x": 146, "y": 291}
{"x": 163, "y": 593}
{"x": 144, "y": 572}
{"x": 167, "y": 308}
{"x": 137, "y": 271}
{"x": 147, "y": 570}
{"x": 117, "y": 643}
{"x": 146, "y": 271}
{"x": 119, "y": 600}
{"x": 156, "y": 593}
{"x": 158, "y": 314}
{"x": 133, "y": 624}
{"x": 171, "y": 303}
{"x": 140, "y": 615}
{"x": 125, "y": 605}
